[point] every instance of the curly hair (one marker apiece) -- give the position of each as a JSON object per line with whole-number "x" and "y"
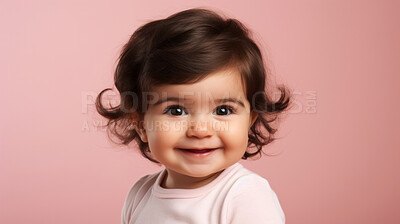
{"x": 184, "y": 48}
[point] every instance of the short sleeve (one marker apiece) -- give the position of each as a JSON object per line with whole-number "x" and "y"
{"x": 251, "y": 200}
{"x": 131, "y": 199}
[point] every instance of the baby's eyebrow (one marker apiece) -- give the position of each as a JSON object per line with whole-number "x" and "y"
{"x": 178, "y": 99}
{"x": 232, "y": 100}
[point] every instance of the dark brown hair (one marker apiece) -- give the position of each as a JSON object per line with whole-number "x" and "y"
{"x": 184, "y": 48}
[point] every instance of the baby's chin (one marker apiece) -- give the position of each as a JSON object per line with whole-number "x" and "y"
{"x": 205, "y": 176}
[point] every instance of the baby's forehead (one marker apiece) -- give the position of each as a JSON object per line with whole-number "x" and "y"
{"x": 219, "y": 84}
{"x": 219, "y": 87}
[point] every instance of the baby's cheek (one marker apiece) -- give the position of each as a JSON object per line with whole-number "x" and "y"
{"x": 177, "y": 127}
{"x": 236, "y": 136}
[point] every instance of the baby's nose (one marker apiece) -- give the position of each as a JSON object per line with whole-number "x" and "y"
{"x": 200, "y": 127}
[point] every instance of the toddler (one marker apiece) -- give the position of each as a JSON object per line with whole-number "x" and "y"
{"x": 193, "y": 98}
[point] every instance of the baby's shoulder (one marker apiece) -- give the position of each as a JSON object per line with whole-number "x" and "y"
{"x": 245, "y": 179}
{"x": 251, "y": 200}
{"x": 136, "y": 194}
{"x": 145, "y": 181}
{"x": 141, "y": 186}
{"x": 248, "y": 185}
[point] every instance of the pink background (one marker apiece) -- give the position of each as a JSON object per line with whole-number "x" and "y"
{"x": 339, "y": 151}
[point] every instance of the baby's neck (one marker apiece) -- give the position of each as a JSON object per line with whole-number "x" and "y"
{"x": 173, "y": 180}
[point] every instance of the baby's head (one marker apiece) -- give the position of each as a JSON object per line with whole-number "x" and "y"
{"x": 193, "y": 81}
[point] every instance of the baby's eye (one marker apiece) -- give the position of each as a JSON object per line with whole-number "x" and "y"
{"x": 175, "y": 110}
{"x": 224, "y": 110}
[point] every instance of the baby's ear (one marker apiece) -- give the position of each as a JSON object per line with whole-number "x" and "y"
{"x": 253, "y": 118}
{"x": 137, "y": 122}
{"x": 142, "y": 134}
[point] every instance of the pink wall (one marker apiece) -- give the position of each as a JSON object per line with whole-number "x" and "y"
{"x": 340, "y": 156}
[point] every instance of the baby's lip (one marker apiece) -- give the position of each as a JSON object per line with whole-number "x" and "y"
{"x": 208, "y": 148}
{"x": 198, "y": 150}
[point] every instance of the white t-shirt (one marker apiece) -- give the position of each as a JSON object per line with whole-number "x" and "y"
{"x": 236, "y": 196}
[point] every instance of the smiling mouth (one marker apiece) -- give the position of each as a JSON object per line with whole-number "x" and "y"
{"x": 198, "y": 150}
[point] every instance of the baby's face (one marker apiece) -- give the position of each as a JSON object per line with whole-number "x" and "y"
{"x": 193, "y": 131}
